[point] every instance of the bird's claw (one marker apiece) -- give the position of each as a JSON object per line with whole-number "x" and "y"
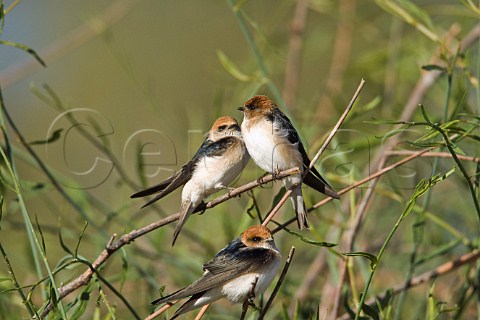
{"x": 260, "y": 179}
{"x": 202, "y": 207}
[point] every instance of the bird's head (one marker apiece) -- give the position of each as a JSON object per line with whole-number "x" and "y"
{"x": 257, "y": 106}
{"x": 258, "y": 236}
{"x": 224, "y": 126}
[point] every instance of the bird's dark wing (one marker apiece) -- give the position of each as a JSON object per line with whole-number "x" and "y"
{"x": 207, "y": 149}
{"x": 313, "y": 178}
{"x": 234, "y": 260}
{"x": 282, "y": 125}
{"x": 214, "y": 149}
{"x": 168, "y": 185}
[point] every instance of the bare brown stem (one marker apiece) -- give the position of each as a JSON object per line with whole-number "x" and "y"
{"x": 292, "y": 68}
{"x": 426, "y": 276}
{"x": 161, "y": 310}
{"x": 319, "y": 153}
{"x": 340, "y": 57}
{"x": 433, "y": 155}
{"x": 357, "y": 184}
{"x": 426, "y": 80}
{"x": 127, "y": 238}
{"x": 248, "y": 299}
{"x": 279, "y": 283}
{"x": 202, "y": 312}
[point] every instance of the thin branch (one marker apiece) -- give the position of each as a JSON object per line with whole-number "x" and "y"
{"x": 31, "y": 310}
{"x": 43, "y": 167}
{"x": 295, "y": 46}
{"x": 125, "y": 239}
{"x": 161, "y": 310}
{"x": 433, "y": 155}
{"x": 319, "y": 153}
{"x": 426, "y": 276}
{"x": 357, "y": 184}
{"x": 248, "y": 300}
{"x": 337, "y": 126}
{"x": 202, "y": 312}
{"x": 279, "y": 283}
{"x": 424, "y": 83}
{"x": 340, "y": 58}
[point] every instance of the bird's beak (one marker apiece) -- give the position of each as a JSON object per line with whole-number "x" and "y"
{"x": 240, "y": 109}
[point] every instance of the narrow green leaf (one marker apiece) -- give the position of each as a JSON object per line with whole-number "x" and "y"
{"x": 369, "y": 256}
{"x": 309, "y": 241}
{"x": 1, "y": 211}
{"x": 80, "y": 239}
{"x": 42, "y": 238}
{"x": 54, "y": 137}
{"x": 370, "y": 311}
{"x": 431, "y": 67}
{"x": 231, "y": 68}
{"x": 2, "y": 16}
{"x": 424, "y": 113}
{"x": 24, "y": 48}
{"x": 60, "y": 238}
{"x": 421, "y": 188}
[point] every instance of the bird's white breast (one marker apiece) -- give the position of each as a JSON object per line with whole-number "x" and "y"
{"x": 215, "y": 172}
{"x": 238, "y": 289}
{"x": 270, "y": 149}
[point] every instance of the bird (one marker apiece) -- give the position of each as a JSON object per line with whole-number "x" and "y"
{"x": 232, "y": 272}
{"x": 274, "y": 145}
{"x": 216, "y": 164}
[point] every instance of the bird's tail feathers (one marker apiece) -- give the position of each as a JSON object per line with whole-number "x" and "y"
{"x": 312, "y": 181}
{"x": 187, "y": 208}
{"x": 299, "y": 206}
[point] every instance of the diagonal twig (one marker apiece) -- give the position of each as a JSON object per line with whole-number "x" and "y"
{"x": 127, "y": 238}
{"x": 279, "y": 283}
{"x": 248, "y": 299}
{"x": 319, "y": 153}
{"x": 426, "y": 276}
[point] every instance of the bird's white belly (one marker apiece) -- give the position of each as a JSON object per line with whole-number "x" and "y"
{"x": 238, "y": 289}
{"x": 269, "y": 151}
{"x": 212, "y": 174}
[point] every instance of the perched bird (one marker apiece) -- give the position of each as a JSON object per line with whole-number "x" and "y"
{"x": 232, "y": 271}
{"x": 220, "y": 159}
{"x": 274, "y": 145}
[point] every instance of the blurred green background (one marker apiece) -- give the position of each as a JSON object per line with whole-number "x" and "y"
{"x": 146, "y": 79}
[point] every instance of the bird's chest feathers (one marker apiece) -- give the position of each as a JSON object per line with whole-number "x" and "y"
{"x": 238, "y": 289}
{"x": 215, "y": 172}
{"x": 269, "y": 147}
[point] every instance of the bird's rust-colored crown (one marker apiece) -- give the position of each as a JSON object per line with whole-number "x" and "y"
{"x": 256, "y": 236}
{"x": 226, "y": 121}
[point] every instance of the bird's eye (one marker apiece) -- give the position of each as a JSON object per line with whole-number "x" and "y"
{"x": 250, "y": 106}
{"x": 221, "y": 128}
{"x": 256, "y": 239}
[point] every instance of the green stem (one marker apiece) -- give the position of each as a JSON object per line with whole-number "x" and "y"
{"x": 372, "y": 273}
{"x": 33, "y": 239}
{"x": 256, "y": 53}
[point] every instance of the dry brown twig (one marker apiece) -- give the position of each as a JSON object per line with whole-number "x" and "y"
{"x": 294, "y": 57}
{"x": 320, "y": 151}
{"x": 84, "y": 278}
{"x": 426, "y": 80}
{"x": 202, "y": 312}
{"x": 279, "y": 283}
{"x": 161, "y": 310}
{"x": 127, "y": 238}
{"x": 249, "y": 299}
{"x": 426, "y": 276}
